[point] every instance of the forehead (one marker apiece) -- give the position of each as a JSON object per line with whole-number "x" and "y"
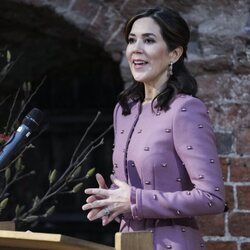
{"x": 145, "y": 25}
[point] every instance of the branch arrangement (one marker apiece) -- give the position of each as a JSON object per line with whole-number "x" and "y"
{"x": 69, "y": 182}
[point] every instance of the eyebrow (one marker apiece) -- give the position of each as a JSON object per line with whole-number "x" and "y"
{"x": 143, "y": 35}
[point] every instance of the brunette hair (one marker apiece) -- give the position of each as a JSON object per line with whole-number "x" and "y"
{"x": 175, "y": 33}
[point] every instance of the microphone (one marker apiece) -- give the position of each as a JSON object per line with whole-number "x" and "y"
{"x": 20, "y": 138}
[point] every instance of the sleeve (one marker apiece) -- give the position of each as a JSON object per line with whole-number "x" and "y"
{"x": 194, "y": 142}
{"x": 113, "y": 186}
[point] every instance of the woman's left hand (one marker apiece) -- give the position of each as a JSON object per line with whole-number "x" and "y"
{"x": 116, "y": 201}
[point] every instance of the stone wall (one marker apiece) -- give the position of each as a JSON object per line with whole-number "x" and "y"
{"x": 219, "y": 57}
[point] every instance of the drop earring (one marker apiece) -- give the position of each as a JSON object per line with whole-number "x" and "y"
{"x": 170, "y": 70}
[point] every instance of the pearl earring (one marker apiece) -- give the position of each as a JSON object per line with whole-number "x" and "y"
{"x": 170, "y": 70}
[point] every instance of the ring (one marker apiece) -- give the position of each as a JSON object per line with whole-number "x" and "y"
{"x": 106, "y": 211}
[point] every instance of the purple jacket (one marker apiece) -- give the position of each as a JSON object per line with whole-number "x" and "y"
{"x": 171, "y": 162}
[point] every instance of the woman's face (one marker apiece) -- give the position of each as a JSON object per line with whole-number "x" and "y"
{"x": 147, "y": 53}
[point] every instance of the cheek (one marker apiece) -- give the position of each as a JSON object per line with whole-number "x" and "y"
{"x": 128, "y": 53}
{"x": 161, "y": 58}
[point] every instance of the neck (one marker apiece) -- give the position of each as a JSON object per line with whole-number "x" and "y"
{"x": 152, "y": 89}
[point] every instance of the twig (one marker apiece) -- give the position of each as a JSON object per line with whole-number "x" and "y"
{"x": 84, "y": 136}
{"x": 58, "y": 185}
{"x": 9, "y": 68}
{"x": 11, "y": 110}
{"x": 27, "y": 101}
{"x": 93, "y": 142}
{"x": 71, "y": 164}
{"x": 4, "y": 100}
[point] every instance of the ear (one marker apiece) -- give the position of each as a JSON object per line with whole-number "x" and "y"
{"x": 176, "y": 54}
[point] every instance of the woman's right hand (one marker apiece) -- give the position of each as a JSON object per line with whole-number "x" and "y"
{"x": 102, "y": 184}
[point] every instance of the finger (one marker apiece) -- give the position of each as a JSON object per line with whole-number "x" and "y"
{"x": 93, "y": 213}
{"x": 101, "y": 213}
{"x": 93, "y": 198}
{"x": 97, "y": 191}
{"x": 101, "y": 181}
{"x": 95, "y": 204}
{"x": 116, "y": 181}
{"x": 104, "y": 219}
{"x": 111, "y": 217}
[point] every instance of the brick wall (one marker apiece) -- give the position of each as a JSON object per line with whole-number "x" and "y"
{"x": 219, "y": 57}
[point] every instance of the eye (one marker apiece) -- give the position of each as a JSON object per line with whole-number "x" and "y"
{"x": 131, "y": 40}
{"x": 149, "y": 41}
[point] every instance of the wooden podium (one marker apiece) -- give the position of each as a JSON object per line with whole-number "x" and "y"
{"x": 14, "y": 240}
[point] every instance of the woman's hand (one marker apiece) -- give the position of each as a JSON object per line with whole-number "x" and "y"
{"x": 102, "y": 184}
{"x": 112, "y": 202}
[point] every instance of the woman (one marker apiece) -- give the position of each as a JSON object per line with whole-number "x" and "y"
{"x": 166, "y": 165}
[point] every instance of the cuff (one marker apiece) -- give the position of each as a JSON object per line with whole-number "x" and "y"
{"x": 133, "y": 202}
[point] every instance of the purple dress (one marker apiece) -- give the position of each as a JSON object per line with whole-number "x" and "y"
{"x": 170, "y": 160}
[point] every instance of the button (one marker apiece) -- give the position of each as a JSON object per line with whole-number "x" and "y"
{"x": 183, "y": 109}
{"x": 188, "y": 193}
{"x": 155, "y": 197}
{"x": 200, "y": 126}
{"x": 115, "y": 165}
{"x": 211, "y": 160}
{"x": 217, "y": 189}
{"x": 147, "y": 182}
{"x": 168, "y": 130}
{"x": 178, "y": 179}
{"x": 164, "y": 165}
{"x": 201, "y": 176}
{"x": 189, "y": 147}
{"x": 169, "y": 247}
{"x": 139, "y": 131}
{"x": 178, "y": 212}
{"x": 122, "y": 131}
{"x": 146, "y": 148}
{"x": 183, "y": 229}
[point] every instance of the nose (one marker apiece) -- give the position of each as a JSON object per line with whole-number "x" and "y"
{"x": 138, "y": 48}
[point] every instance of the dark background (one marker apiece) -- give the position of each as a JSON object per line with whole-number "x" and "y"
{"x": 80, "y": 79}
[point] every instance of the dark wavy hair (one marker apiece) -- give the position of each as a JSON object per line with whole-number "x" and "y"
{"x": 175, "y": 33}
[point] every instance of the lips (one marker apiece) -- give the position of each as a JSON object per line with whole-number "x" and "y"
{"x": 139, "y": 62}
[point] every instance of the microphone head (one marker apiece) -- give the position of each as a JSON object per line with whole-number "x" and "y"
{"x": 33, "y": 119}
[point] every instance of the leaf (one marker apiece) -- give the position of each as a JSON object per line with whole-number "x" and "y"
{"x": 4, "y": 203}
{"x": 18, "y": 164}
{"x": 90, "y": 173}
{"x": 31, "y": 218}
{"x": 24, "y": 86}
{"x": 77, "y": 188}
{"x": 52, "y": 176}
{"x": 17, "y": 210}
{"x": 8, "y": 56}
{"x": 76, "y": 172}
{"x": 28, "y": 86}
{"x": 50, "y": 211}
{"x": 35, "y": 202}
{"x": 7, "y": 174}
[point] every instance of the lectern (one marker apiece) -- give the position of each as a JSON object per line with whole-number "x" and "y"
{"x": 14, "y": 240}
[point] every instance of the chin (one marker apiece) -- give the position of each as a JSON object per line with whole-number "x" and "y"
{"x": 139, "y": 79}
